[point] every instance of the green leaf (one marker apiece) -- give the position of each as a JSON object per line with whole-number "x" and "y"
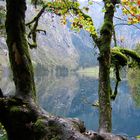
{"x": 138, "y": 136}
{"x": 103, "y": 10}
{"x": 90, "y": 2}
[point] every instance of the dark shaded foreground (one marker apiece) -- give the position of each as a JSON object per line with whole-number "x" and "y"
{"x": 25, "y": 120}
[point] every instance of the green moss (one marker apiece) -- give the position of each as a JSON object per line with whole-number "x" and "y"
{"x": 15, "y": 109}
{"x": 105, "y": 38}
{"x": 40, "y": 128}
{"x": 124, "y": 57}
{"x": 56, "y": 138}
{"x": 129, "y": 52}
{"x": 2, "y": 20}
{"x": 132, "y": 54}
{"x": 40, "y": 125}
{"x": 137, "y": 49}
{"x": 117, "y": 57}
{"x": 52, "y": 130}
{"x": 55, "y": 130}
{"x": 12, "y": 100}
{"x": 107, "y": 28}
{"x": 16, "y": 41}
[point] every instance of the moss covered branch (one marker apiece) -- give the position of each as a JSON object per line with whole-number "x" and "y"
{"x": 33, "y": 28}
{"x": 121, "y": 57}
{"x": 124, "y": 57}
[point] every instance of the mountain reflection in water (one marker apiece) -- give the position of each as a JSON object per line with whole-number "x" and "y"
{"x": 73, "y": 96}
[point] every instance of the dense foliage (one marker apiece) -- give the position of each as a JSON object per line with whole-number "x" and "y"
{"x": 131, "y": 8}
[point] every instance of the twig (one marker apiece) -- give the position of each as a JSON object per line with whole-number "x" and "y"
{"x": 127, "y": 25}
{"x": 37, "y": 16}
{"x": 114, "y": 37}
{"x": 130, "y": 12}
{"x": 124, "y": 20}
{"x": 34, "y": 30}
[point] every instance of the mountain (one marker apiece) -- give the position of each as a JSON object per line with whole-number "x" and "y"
{"x": 61, "y": 47}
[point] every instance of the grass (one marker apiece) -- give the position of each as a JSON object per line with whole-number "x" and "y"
{"x": 93, "y": 72}
{"x": 89, "y": 72}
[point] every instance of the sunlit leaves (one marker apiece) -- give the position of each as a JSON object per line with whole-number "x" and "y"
{"x": 63, "y": 20}
{"x": 79, "y": 17}
{"x": 2, "y": 130}
{"x": 58, "y": 8}
{"x": 109, "y": 4}
{"x": 90, "y": 2}
{"x": 131, "y": 8}
{"x": 86, "y": 9}
{"x": 80, "y": 22}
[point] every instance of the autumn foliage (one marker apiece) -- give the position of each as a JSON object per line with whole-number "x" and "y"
{"x": 131, "y": 8}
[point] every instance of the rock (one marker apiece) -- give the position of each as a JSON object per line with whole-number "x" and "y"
{"x": 103, "y": 136}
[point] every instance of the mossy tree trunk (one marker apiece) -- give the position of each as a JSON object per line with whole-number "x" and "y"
{"x": 105, "y": 119}
{"x": 18, "y": 49}
{"x": 18, "y": 113}
{"x": 22, "y": 118}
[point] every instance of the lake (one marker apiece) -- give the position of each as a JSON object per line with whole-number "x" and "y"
{"x": 73, "y": 96}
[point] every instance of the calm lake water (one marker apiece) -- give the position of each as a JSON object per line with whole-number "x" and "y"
{"x": 73, "y": 96}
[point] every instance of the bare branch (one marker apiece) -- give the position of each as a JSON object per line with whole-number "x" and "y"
{"x": 114, "y": 37}
{"x": 124, "y": 20}
{"x": 37, "y": 16}
{"x": 127, "y": 25}
{"x": 33, "y": 28}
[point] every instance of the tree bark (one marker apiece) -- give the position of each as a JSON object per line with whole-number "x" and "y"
{"x": 105, "y": 119}
{"x": 22, "y": 118}
{"x": 18, "y": 49}
{"x": 26, "y": 121}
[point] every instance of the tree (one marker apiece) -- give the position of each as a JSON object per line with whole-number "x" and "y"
{"x": 108, "y": 57}
{"x": 20, "y": 114}
{"x": 103, "y": 42}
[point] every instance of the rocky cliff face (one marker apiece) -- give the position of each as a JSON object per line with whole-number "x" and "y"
{"x": 56, "y": 45}
{"x": 59, "y": 46}
{"x": 62, "y": 47}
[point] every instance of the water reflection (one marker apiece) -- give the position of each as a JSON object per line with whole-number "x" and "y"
{"x": 73, "y": 95}
{"x": 125, "y": 114}
{"x": 57, "y": 94}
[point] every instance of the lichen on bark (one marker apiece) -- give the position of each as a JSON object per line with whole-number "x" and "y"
{"x": 18, "y": 49}
{"x": 105, "y": 117}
